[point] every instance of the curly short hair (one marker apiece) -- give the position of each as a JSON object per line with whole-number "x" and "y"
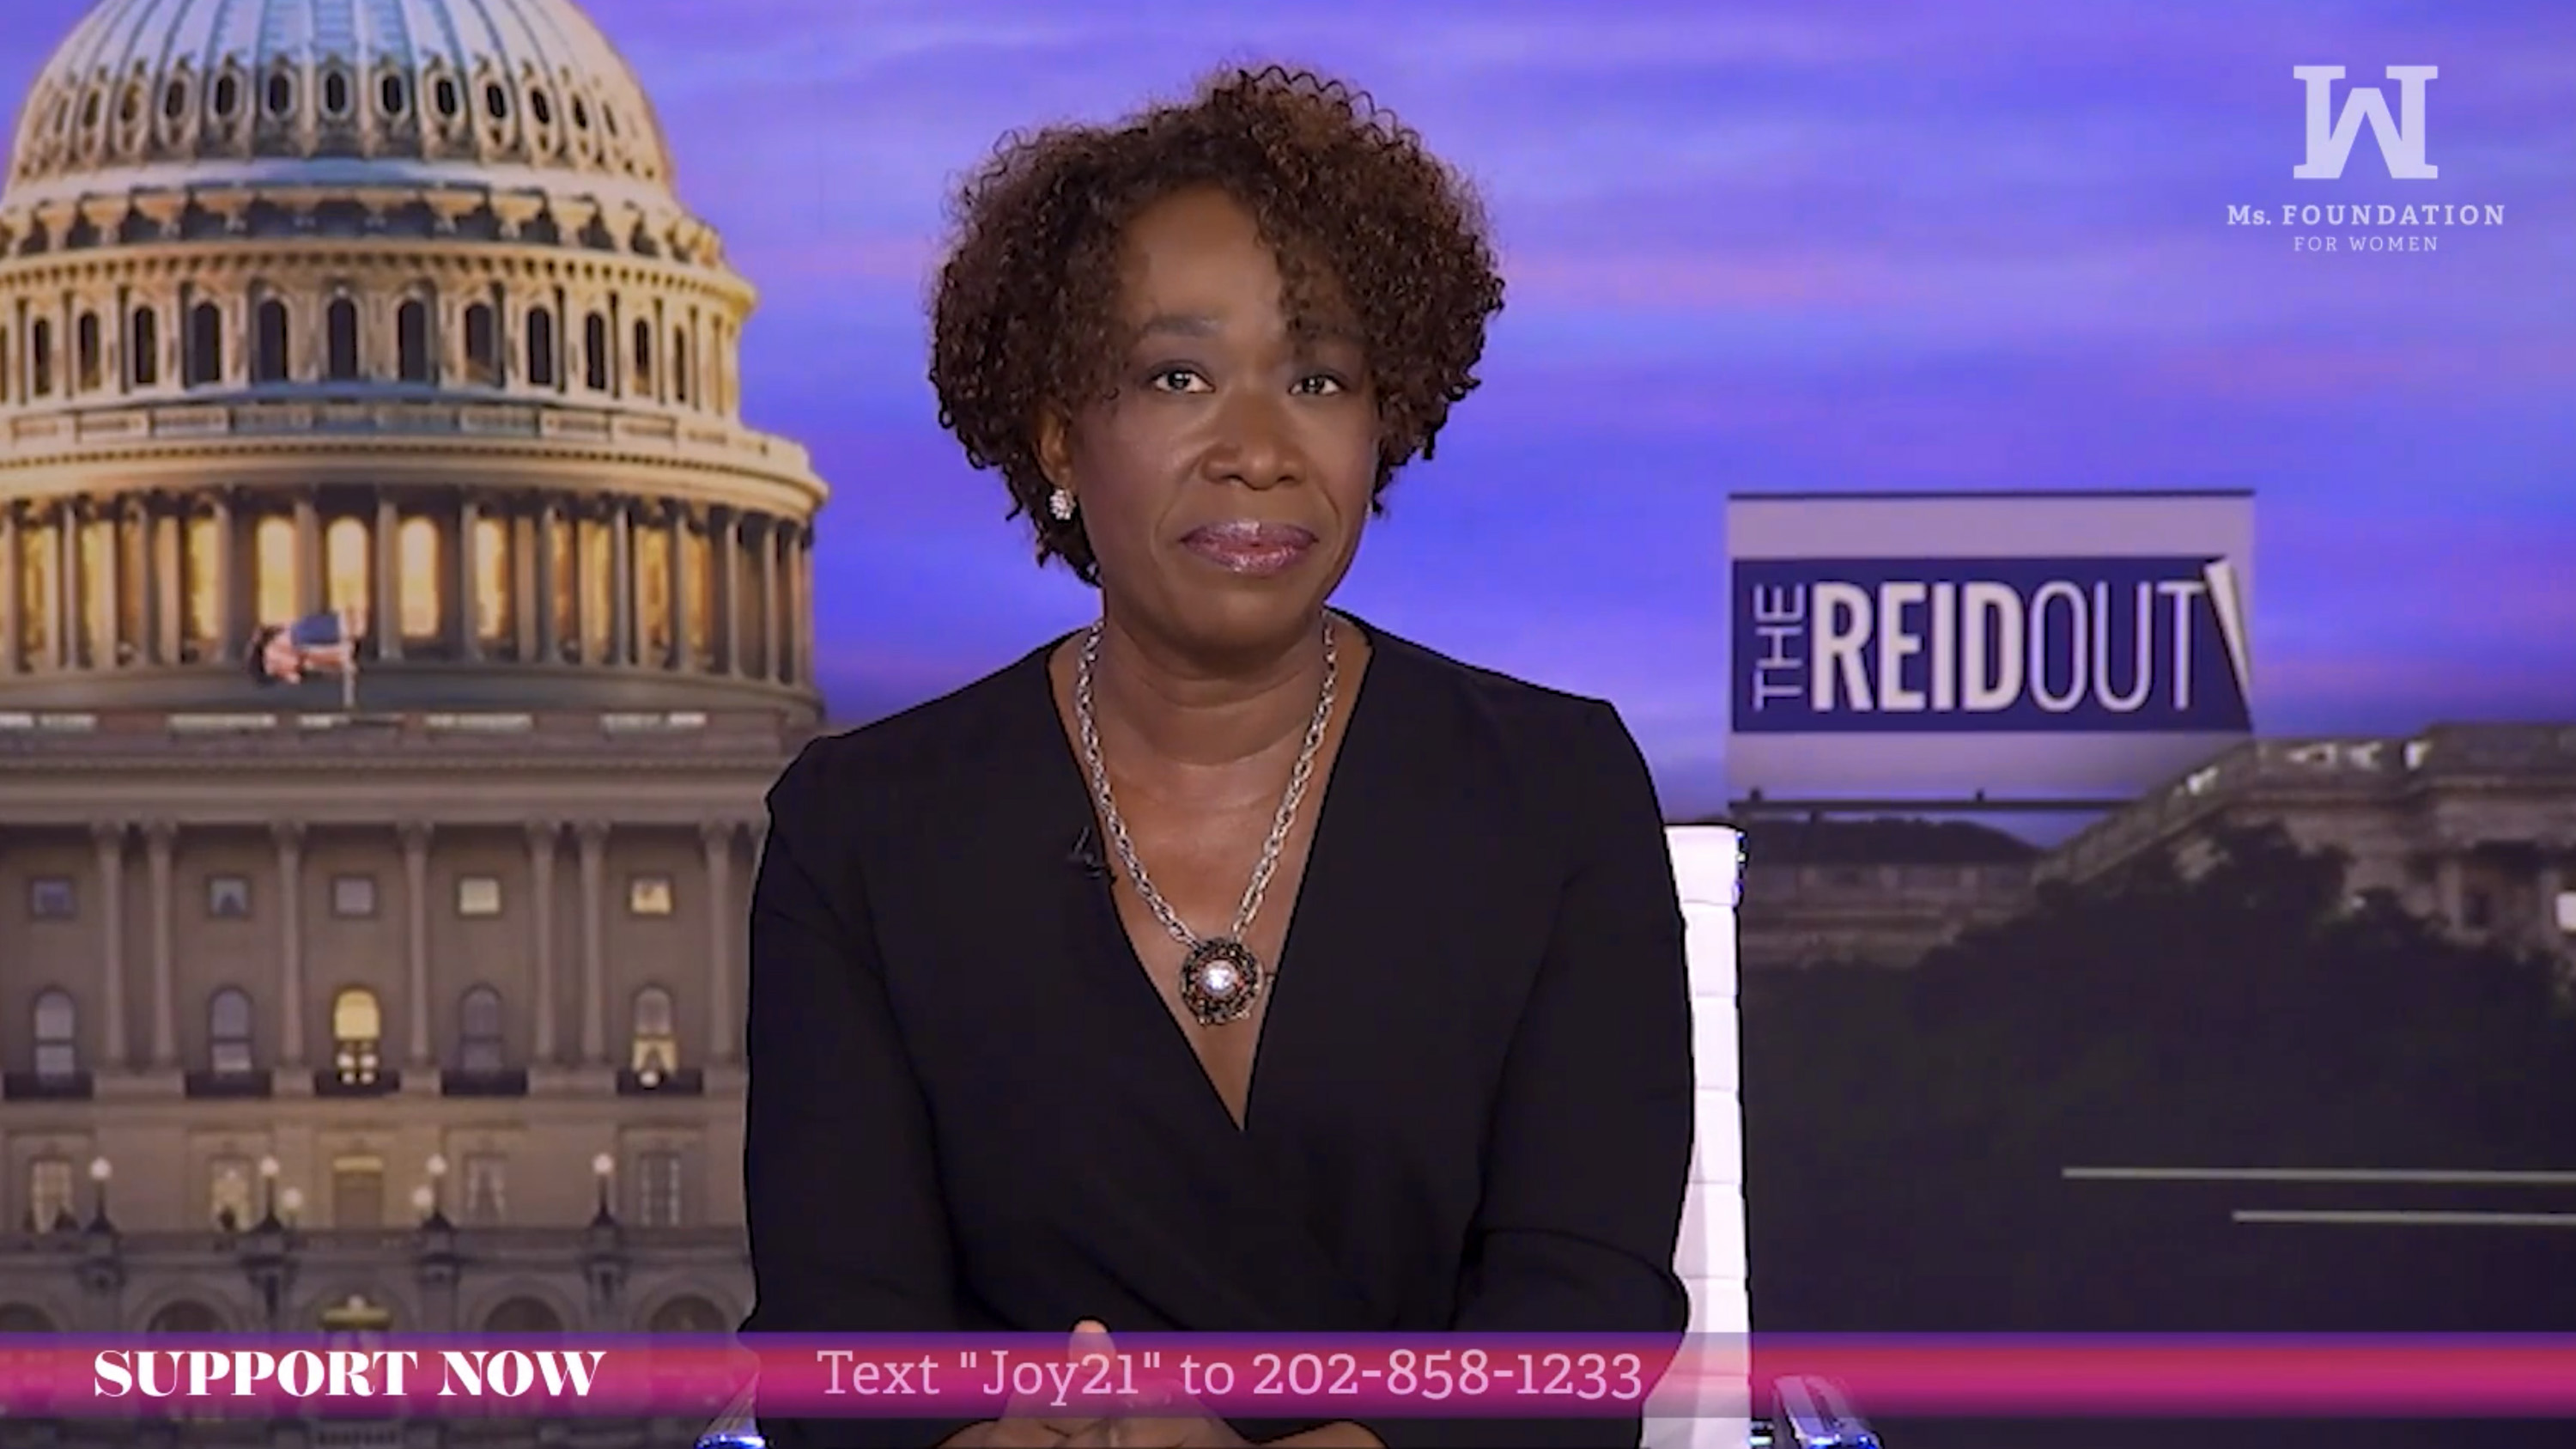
{"x": 1024, "y": 314}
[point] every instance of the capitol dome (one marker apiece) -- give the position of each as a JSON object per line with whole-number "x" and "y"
{"x": 388, "y": 307}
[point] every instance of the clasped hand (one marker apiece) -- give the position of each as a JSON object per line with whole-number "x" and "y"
{"x": 1158, "y": 1417}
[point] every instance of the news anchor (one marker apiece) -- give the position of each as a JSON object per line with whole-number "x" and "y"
{"x": 1232, "y": 964}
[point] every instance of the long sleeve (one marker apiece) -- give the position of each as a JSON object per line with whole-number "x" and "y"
{"x": 848, "y": 1230}
{"x": 1589, "y": 1152}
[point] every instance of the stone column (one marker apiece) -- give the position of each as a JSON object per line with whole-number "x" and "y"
{"x": 723, "y": 924}
{"x": 308, "y": 557}
{"x": 68, "y": 613}
{"x": 592, "y": 836}
{"x": 415, "y": 835}
{"x": 544, "y": 841}
{"x": 160, "y": 837}
{"x": 469, "y": 544}
{"x": 109, "y": 838}
{"x": 2450, "y": 885}
{"x": 2551, "y": 879}
{"x": 681, "y": 655}
{"x": 541, "y": 597}
{"x": 13, "y": 622}
{"x": 385, "y": 629}
{"x": 110, "y": 587}
{"x": 621, "y": 582}
{"x": 771, "y": 540}
{"x": 289, "y": 835}
{"x": 724, "y": 536}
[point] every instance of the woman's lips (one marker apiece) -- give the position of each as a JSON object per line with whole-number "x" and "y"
{"x": 1250, "y": 548}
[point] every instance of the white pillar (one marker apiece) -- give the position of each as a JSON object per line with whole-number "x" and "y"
{"x": 160, "y": 838}
{"x": 289, "y": 835}
{"x": 415, "y": 837}
{"x": 109, "y": 838}
{"x": 592, "y": 836}
{"x": 545, "y": 838}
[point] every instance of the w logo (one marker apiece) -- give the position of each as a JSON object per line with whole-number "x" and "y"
{"x": 2330, "y": 136}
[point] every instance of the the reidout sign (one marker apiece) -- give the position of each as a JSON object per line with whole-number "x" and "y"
{"x": 2020, "y": 646}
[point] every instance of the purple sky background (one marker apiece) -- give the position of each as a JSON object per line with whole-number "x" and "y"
{"x": 1758, "y": 246}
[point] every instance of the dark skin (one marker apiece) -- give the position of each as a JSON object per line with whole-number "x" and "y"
{"x": 1208, "y": 677}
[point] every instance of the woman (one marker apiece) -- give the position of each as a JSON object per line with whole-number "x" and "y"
{"x": 1017, "y": 953}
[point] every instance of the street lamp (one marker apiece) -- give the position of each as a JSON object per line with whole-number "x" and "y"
{"x": 268, "y": 1189}
{"x": 290, "y": 1203}
{"x": 437, "y": 1179}
{"x": 424, "y": 1202}
{"x": 603, "y": 1167}
{"x": 99, "y": 1172}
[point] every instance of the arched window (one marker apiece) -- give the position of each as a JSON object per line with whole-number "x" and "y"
{"x": 411, "y": 341}
{"x": 656, "y": 1051}
{"x": 679, "y": 365}
{"x": 643, "y": 378}
{"x": 357, "y": 1035}
{"x": 494, "y": 618}
{"x": 541, "y": 347}
{"x": 391, "y": 98}
{"x": 57, "y": 1035}
{"x": 478, "y": 1031}
{"x": 688, "y": 1314}
{"x": 228, "y": 1032}
{"x": 482, "y": 345}
{"x": 335, "y": 94}
{"x": 268, "y": 354}
{"x": 40, "y": 358}
{"x": 143, "y": 348}
{"x": 523, "y": 1316}
{"x": 594, "y": 352}
{"x": 342, "y": 324}
{"x": 89, "y": 352}
{"x": 204, "y": 360}
{"x": 185, "y": 1316}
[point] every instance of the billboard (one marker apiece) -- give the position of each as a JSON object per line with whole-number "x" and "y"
{"x": 2015, "y": 647}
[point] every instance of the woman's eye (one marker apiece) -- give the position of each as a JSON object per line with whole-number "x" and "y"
{"x": 1178, "y": 379}
{"x": 1319, "y": 385}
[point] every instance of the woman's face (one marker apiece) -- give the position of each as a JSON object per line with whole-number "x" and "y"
{"x": 1225, "y": 485}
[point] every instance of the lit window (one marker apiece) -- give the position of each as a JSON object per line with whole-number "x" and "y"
{"x": 49, "y": 1193}
{"x": 51, "y": 898}
{"x": 228, "y": 1032}
{"x": 357, "y": 1031}
{"x": 421, "y": 595}
{"x": 229, "y": 1194}
{"x": 493, "y": 617}
{"x": 57, "y": 1035}
{"x": 228, "y": 897}
{"x": 357, "y": 1191}
{"x": 658, "y": 1189}
{"x": 346, "y": 566}
{"x": 353, "y": 896}
{"x": 273, "y": 543}
{"x": 478, "y": 895}
{"x": 649, "y": 895}
{"x": 656, "y": 1050}
{"x": 2566, "y": 912}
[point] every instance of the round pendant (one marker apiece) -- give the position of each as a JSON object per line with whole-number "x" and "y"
{"x": 1220, "y": 980}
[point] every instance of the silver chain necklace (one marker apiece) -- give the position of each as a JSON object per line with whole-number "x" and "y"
{"x": 1221, "y": 978}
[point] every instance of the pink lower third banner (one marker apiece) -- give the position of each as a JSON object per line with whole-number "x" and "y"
{"x": 1440, "y": 1376}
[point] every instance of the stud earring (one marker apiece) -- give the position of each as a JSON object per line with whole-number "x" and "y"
{"x": 1060, "y": 503}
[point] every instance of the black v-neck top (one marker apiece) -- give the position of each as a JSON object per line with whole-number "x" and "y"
{"x": 1471, "y": 1109}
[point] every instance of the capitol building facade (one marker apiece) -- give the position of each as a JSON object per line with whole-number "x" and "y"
{"x": 417, "y": 1007}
